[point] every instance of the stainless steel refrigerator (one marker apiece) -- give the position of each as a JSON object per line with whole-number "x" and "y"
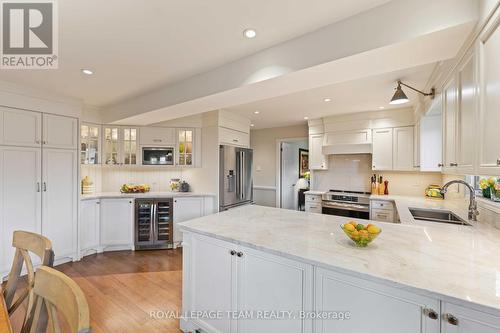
{"x": 235, "y": 177}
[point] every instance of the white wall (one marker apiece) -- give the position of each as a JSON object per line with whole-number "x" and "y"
{"x": 263, "y": 142}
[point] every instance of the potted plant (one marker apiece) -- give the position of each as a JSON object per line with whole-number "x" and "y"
{"x": 485, "y": 187}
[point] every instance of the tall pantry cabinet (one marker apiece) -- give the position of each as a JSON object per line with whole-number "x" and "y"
{"x": 38, "y": 180}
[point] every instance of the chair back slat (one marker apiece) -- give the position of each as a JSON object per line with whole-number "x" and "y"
{"x": 26, "y": 242}
{"x": 60, "y": 294}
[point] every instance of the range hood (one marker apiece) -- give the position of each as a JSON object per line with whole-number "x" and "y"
{"x": 347, "y": 148}
{"x": 348, "y": 142}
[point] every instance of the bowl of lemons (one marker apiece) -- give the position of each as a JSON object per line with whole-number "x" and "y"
{"x": 361, "y": 234}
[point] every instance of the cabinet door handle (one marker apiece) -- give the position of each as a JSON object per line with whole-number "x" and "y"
{"x": 498, "y": 162}
{"x": 235, "y": 140}
{"x": 453, "y": 164}
{"x": 430, "y": 313}
{"x": 38, "y": 186}
{"x": 440, "y": 165}
{"x": 239, "y": 254}
{"x": 451, "y": 319}
{"x": 232, "y": 252}
{"x": 44, "y": 186}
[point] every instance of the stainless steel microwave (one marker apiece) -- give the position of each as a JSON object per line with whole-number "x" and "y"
{"x": 158, "y": 155}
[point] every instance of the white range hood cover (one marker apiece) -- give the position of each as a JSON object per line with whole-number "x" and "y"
{"x": 347, "y": 148}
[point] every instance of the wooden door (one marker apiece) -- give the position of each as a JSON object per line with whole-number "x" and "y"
{"x": 270, "y": 283}
{"x": 382, "y": 158}
{"x": 89, "y": 224}
{"x": 450, "y": 126}
{"x": 20, "y": 128}
{"x": 489, "y": 149}
{"x": 59, "y": 198}
{"x": 212, "y": 283}
{"x": 117, "y": 223}
{"x": 372, "y": 307}
{"x": 317, "y": 161}
{"x": 466, "y": 120}
{"x": 20, "y": 196}
{"x": 403, "y": 149}
{"x": 60, "y": 132}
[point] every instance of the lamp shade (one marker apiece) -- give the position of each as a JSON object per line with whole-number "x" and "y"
{"x": 399, "y": 96}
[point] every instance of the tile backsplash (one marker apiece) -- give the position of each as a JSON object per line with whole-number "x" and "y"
{"x": 111, "y": 178}
{"x": 353, "y": 172}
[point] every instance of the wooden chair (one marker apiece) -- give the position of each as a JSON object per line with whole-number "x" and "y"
{"x": 26, "y": 242}
{"x": 58, "y": 293}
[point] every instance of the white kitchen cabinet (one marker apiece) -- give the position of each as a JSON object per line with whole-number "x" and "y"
{"x": 186, "y": 209}
{"x": 111, "y": 145}
{"x": 382, "y": 158}
{"x": 60, "y": 132}
{"x": 90, "y": 143}
{"x": 383, "y": 211}
{"x": 373, "y": 307}
{"x": 450, "y": 111}
{"x": 313, "y": 203}
{"x": 271, "y": 283}
{"x": 185, "y": 146}
{"x": 59, "y": 204}
{"x": 457, "y": 319}
{"x": 120, "y": 145}
{"x": 416, "y": 146}
{"x": 89, "y": 225}
{"x": 209, "y": 277}
{"x": 20, "y": 128}
{"x": 466, "y": 119}
{"x": 489, "y": 117}
{"x": 117, "y": 223}
{"x": 224, "y": 276}
{"x": 20, "y": 197}
{"x": 234, "y": 138}
{"x": 157, "y": 136}
{"x": 403, "y": 148}
{"x": 363, "y": 136}
{"x": 317, "y": 161}
{"x": 431, "y": 142}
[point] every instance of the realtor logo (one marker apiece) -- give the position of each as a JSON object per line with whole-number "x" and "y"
{"x": 29, "y": 34}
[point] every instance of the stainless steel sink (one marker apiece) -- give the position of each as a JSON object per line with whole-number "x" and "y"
{"x": 433, "y": 215}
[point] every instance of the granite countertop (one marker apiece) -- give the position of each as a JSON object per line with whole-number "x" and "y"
{"x": 453, "y": 263}
{"x": 109, "y": 195}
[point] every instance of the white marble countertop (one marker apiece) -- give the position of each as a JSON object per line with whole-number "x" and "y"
{"x": 454, "y": 263}
{"x": 109, "y": 195}
{"x": 312, "y": 192}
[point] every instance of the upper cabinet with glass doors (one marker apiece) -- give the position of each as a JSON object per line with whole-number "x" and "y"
{"x": 120, "y": 145}
{"x": 90, "y": 135}
{"x": 111, "y": 145}
{"x": 185, "y": 147}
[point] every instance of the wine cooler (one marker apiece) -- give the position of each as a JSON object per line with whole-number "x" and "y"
{"x": 153, "y": 224}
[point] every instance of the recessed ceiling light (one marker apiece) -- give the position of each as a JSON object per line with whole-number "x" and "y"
{"x": 381, "y": 107}
{"x": 249, "y": 33}
{"x": 252, "y": 125}
{"x": 305, "y": 118}
{"x": 256, "y": 112}
{"x": 327, "y": 100}
{"x": 87, "y": 71}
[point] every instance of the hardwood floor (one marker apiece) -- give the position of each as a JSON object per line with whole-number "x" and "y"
{"x": 122, "y": 288}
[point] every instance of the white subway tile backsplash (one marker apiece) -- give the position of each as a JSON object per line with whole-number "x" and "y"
{"x": 353, "y": 172}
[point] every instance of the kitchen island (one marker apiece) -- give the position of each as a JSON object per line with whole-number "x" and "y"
{"x": 413, "y": 278}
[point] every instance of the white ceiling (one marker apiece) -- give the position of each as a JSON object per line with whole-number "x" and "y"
{"x": 134, "y": 46}
{"x": 367, "y": 94}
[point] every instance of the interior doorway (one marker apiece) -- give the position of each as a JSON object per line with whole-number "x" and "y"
{"x": 293, "y": 160}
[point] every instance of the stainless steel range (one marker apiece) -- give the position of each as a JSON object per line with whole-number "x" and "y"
{"x": 347, "y": 203}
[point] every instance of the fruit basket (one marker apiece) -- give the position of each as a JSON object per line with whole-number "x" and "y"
{"x": 360, "y": 234}
{"x": 129, "y": 188}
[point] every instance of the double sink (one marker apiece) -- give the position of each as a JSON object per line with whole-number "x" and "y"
{"x": 440, "y": 216}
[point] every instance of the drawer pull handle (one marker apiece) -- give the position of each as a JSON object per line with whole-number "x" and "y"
{"x": 431, "y": 314}
{"x": 451, "y": 319}
{"x": 498, "y": 162}
{"x": 232, "y": 252}
{"x": 239, "y": 254}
